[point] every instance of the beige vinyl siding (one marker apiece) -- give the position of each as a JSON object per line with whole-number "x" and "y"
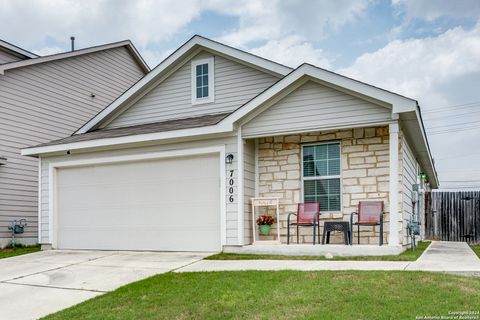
{"x": 235, "y": 84}
{"x": 7, "y": 57}
{"x": 313, "y": 106}
{"x": 409, "y": 171}
{"x": 45, "y": 102}
{"x": 230, "y": 147}
{"x": 249, "y": 188}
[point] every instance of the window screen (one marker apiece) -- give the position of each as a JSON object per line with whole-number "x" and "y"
{"x": 201, "y": 72}
{"x": 321, "y": 175}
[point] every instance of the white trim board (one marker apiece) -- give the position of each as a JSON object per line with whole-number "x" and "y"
{"x": 53, "y": 166}
{"x": 393, "y": 189}
{"x": 128, "y": 139}
{"x": 241, "y": 190}
{"x": 39, "y": 194}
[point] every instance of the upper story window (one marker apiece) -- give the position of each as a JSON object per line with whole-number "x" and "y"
{"x": 203, "y": 81}
{"x": 321, "y": 175}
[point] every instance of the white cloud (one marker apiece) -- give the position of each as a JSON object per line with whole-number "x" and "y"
{"x": 417, "y": 67}
{"x": 437, "y": 71}
{"x": 275, "y": 19}
{"x": 46, "y": 23}
{"x": 287, "y": 29}
{"x": 292, "y": 52}
{"x": 431, "y": 10}
{"x": 41, "y": 25}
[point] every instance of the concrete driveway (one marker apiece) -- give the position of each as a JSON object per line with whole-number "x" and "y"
{"x": 37, "y": 284}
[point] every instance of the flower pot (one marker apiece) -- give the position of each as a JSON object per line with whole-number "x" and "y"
{"x": 264, "y": 229}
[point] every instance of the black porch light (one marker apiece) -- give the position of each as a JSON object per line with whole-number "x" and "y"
{"x": 229, "y": 158}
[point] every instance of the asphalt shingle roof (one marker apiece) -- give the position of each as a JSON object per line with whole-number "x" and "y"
{"x": 163, "y": 126}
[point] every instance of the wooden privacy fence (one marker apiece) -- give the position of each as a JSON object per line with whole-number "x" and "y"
{"x": 453, "y": 216}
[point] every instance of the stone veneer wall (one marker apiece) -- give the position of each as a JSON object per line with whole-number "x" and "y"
{"x": 365, "y": 175}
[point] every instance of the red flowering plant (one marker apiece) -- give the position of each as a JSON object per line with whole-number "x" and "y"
{"x": 265, "y": 220}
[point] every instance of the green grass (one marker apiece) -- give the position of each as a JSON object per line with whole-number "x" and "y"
{"x": 407, "y": 255}
{"x": 16, "y": 251}
{"x": 476, "y": 249}
{"x": 284, "y": 295}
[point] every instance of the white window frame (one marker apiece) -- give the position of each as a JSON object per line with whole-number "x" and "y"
{"x": 322, "y": 177}
{"x": 211, "y": 81}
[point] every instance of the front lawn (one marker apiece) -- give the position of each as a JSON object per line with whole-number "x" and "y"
{"x": 16, "y": 251}
{"x": 284, "y": 295}
{"x": 407, "y": 255}
{"x": 476, "y": 249}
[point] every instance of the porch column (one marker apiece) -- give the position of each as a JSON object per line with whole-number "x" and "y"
{"x": 393, "y": 178}
{"x": 240, "y": 175}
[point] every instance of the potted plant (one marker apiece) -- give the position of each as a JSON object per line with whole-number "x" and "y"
{"x": 264, "y": 223}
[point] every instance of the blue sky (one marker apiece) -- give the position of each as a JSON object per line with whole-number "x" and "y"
{"x": 427, "y": 50}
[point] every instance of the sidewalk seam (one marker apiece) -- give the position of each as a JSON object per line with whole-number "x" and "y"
{"x": 53, "y": 287}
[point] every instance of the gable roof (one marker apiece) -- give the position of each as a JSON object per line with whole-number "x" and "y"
{"x": 403, "y": 108}
{"x": 181, "y": 53}
{"x": 37, "y": 60}
{"x": 398, "y": 102}
{"x": 16, "y": 50}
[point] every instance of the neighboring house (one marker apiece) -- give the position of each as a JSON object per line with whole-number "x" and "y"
{"x": 47, "y": 98}
{"x": 12, "y": 53}
{"x": 149, "y": 172}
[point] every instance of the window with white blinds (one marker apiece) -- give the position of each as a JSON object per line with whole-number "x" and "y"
{"x": 321, "y": 175}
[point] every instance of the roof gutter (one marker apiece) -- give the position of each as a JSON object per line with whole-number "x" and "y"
{"x": 425, "y": 139}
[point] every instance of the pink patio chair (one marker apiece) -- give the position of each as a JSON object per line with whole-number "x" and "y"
{"x": 370, "y": 213}
{"x": 308, "y": 215}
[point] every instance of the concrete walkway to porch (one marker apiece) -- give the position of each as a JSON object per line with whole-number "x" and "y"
{"x": 448, "y": 257}
{"x": 453, "y": 257}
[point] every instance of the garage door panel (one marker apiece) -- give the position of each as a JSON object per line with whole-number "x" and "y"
{"x": 170, "y": 204}
{"x": 132, "y": 215}
{"x": 89, "y": 197}
{"x": 171, "y": 240}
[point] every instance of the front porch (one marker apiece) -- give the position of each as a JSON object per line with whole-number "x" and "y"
{"x": 285, "y": 167}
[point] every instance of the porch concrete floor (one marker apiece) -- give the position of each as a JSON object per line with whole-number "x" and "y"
{"x": 317, "y": 250}
{"x": 452, "y": 257}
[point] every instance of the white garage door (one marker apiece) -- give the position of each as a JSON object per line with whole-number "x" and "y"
{"x": 170, "y": 204}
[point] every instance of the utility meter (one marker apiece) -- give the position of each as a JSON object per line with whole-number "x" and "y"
{"x": 415, "y": 193}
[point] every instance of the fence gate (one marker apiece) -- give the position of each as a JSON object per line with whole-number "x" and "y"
{"x": 453, "y": 216}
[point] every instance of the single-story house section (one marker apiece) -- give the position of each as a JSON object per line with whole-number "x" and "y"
{"x": 173, "y": 163}
{"x": 48, "y": 98}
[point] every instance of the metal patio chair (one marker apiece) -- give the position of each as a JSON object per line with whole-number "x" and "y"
{"x": 370, "y": 213}
{"x": 308, "y": 215}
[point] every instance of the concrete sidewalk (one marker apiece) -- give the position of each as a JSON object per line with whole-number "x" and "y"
{"x": 455, "y": 257}
{"x": 448, "y": 257}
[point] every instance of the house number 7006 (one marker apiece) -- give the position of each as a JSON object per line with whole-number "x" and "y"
{"x": 230, "y": 186}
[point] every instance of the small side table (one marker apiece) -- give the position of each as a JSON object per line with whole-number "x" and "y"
{"x": 330, "y": 226}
